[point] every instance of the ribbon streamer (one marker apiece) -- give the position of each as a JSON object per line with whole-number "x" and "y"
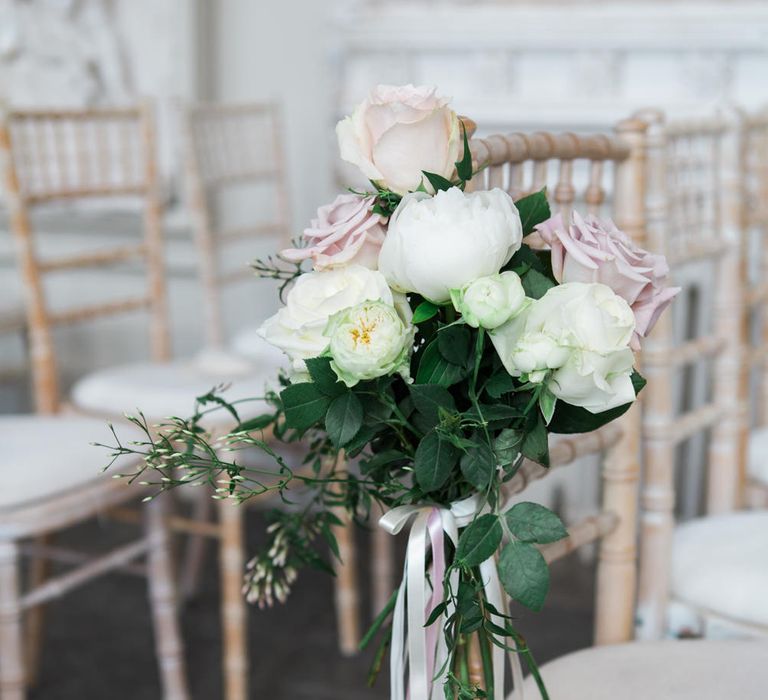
{"x": 423, "y": 650}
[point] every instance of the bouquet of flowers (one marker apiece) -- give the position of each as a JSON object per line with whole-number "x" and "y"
{"x": 431, "y": 349}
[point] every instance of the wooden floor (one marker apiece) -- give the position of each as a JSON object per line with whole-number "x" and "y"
{"x": 98, "y": 641}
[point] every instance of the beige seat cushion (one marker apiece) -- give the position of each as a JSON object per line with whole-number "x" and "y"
{"x": 161, "y": 390}
{"x": 720, "y": 565}
{"x": 758, "y": 455}
{"x": 670, "y": 670}
{"x": 43, "y": 456}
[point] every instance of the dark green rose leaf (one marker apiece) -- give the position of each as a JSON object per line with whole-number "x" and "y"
{"x": 499, "y": 384}
{"x": 438, "y": 182}
{"x": 536, "y": 284}
{"x": 435, "y": 369}
{"x": 479, "y": 541}
{"x": 434, "y": 461}
{"x": 534, "y": 209}
{"x": 304, "y": 405}
{"x": 531, "y": 522}
{"x": 535, "y": 445}
{"x": 464, "y": 166}
{"x": 324, "y": 377}
{"x": 425, "y": 311}
{"x": 429, "y": 399}
{"x": 524, "y": 574}
{"x": 454, "y": 343}
{"x": 507, "y": 446}
{"x": 478, "y": 465}
{"x": 344, "y": 419}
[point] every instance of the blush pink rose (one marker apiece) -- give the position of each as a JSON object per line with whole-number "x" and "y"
{"x": 398, "y": 132}
{"x": 344, "y": 232}
{"x": 594, "y": 250}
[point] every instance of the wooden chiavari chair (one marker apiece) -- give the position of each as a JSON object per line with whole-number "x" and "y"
{"x": 754, "y": 222}
{"x": 49, "y": 475}
{"x": 54, "y": 156}
{"x": 239, "y": 148}
{"x": 523, "y": 163}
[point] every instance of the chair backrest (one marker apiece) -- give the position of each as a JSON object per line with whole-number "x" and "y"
{"x": 227, "y": 147}
{"x": 53, "y": 156}
{"x": 754, "y": 220}
{"x": 692, "y": 217}
{"x": 520, "y": 164}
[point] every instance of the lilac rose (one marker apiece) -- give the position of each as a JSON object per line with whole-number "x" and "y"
{"x": 594, "y": 250}
{"x": 346, "y": 231}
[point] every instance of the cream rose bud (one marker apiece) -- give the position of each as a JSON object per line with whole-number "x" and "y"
{"x": 577, "y": 335}
{"x": 367, "y": 341}
{"x": 397, "y": 133}
{"x": 435, "y": 244}
{"x": 490, "y": 301}
{"x": 299, "y": 327}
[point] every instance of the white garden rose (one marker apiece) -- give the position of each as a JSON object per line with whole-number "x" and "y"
{"x": 490, "y": 301}
{"x": 367, "y": 341}
{"x": 298, "y": 328}
{"x": 398, "y": 132}
{"x": 577, "y": 336}
{"x": 435, "y": 244}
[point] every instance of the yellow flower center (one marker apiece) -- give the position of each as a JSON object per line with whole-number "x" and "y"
{"x": 362, "y": 333}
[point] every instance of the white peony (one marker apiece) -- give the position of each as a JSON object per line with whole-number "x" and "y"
{"x": 298, "y": 328}
{"x": 367, "y": 341}
{"x": 488, "y": 302}
{"x": 577, "y": 335}
{"x": 435, "y": 244}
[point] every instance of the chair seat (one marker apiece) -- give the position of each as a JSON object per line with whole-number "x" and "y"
{"x": 248, "y": 343}
{"x": 164, "y": 389}
{"x": 46, "y": 456}
{"x": 758, "y": 455}
{"x": 720, "y": 565}
{"x": 673, "y": 670}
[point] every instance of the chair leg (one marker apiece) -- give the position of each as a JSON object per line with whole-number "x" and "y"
{"x": 162, "y": 592}
{"x": 233, "y": 605}
{"x": 11, "y": 640}
{"x": 196, "y": 548}
{"x": 35, "y": 617}
{"x": 383, "y": 555}
{"x": 346, "y": 589}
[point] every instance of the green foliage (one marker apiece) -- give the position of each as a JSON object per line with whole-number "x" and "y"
{"x": 536, "y": 284}
{"x": 464, "y": 166}
{"x": 256, "y": 423}
{"x": 438, "y": 182}
{"x": 324, "y": 377}
{"x": 435, "y": 369}
{"x": 574, "y": 419}
{"x": 304, "y": 405}
{"x": 524, "y": 574}
{"x": 534, "y": 209}
{"x": 343, "y": 419}
{"x": 531, "y": 522}
{"x": 478, "y": 465}
{"x": 479, "y": 541}
{"x": 434, "y": 460}
{"x": 499, "y": 384}
{"x": 547, "y": 404}
{"x": 428, "y": 399}
{"x": 425, "y": 311}
{"x": 455, "y": 344}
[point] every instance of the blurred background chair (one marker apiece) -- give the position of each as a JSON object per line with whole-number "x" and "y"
{"x": 83, "y": 154}
{"x": 44, "y": 490}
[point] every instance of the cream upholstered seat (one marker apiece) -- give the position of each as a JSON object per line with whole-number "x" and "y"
{"x": 683, "y": 670}
{"x": 31, "y": 470}
{"x": 757, "y": 464}
{"x": 720, "y": 566}
{"x": 168, "y": 389}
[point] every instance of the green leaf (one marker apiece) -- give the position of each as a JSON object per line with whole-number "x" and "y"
{"x": 478, "y": 465}
{"x": 479, "y": 541}
{"x": 531, "y": 522}
{"x": 524, "y": 574}
{"x": 385, "y": 459}
{"x": 429, "y": 399}
{"x": 438, "y": 182}
{"x": 464, "y": 166}
{"x": 534, "y": 209}
{"x": 499, "y": 384}
{"x": 547, "y": 403}
{"x": 304, "y": 405}
{"x": 434, "y": 369}
{"x": 434, "y": 461}
{"x": 526, "y": 258}
{"x": 507, "y": 446}
{"x": 494, "y": 412}
{"x": 575, "y": 419}
{"x": 454, "y": 343}
{"x": 424, "y": 312}
{"x": 324, "y": 377}
{"x": 255, "y": 423}
{"x": 343, "y": 419}
{"x": 535, "y": 445}
{"x": 536, "y": 284}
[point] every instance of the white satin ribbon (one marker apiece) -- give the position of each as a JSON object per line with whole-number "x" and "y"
{"x": 409, "y": 642}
